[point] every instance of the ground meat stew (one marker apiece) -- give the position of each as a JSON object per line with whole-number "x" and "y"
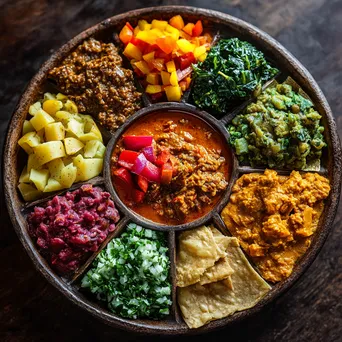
{"x": 94, "y": 78}
{"x": 274, "y": 218}
{"x": 201, "y": 168}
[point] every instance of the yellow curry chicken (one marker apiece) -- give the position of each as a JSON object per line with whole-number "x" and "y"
{"x": 274, "y": 218}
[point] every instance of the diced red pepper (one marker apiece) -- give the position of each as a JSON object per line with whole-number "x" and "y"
{"x": 150, "y": 48}
{"x": 151, "y": 172}
{"x": 142, "y": 183}
{"x": 149, "y": 152}
{"x": 129, "y": 26}
{"x": 124, "y": 176}
{"x": 139, "y": 164}
{"x": 198, "y": 29}
{"x": 163, "y": 157}
{"x": 139, "y": 44}
{"x": 166, "y": 173}
{"x": 137, "y": 195}
{"x": 137, "y": 142}
{"x": 186, "y": 60}
{"x": 156, "y": 97}
{"x": 127, "y": 159}
{"x": 161, "y": 54}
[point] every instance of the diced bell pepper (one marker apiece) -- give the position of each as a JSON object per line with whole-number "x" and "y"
{"x": 149, "y": 56}
{"x": 126, "y": 34}
{"x": 173, "y": 78}
{"x": 127, "y": 159}
{"x": 185, "y": 46}
{"x": 165, "y": 77}
{"x": 173, "y": 93}
{"x": 131, "y": 51}
{"x": 143, "y": 67}
{"x": 177, "y": 22}
{"x": 153, "y": 89}
{"x": 170, "y": 66}
{"x": 188, "y": 28}
{"x": 159, "y": 24}
{"x": 153, "y": 78}
{"x": 137, "y": 142}
{"x": 198, "y": 29}
{"x": 124, "y": 176}
{"x": 166, "y": 174}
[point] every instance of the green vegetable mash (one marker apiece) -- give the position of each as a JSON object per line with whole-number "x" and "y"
{"x": 132, "y": 274}
{"x": 232, "y": 71}
{"x": 280, "y": 130}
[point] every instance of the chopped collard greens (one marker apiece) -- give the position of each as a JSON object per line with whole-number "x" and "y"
{"x": 281, "y": 129}
{"x": 232, "y": 71}
{"x": 132, "y": 274}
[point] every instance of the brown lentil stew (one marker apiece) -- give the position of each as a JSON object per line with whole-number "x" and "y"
{"x": 94, "y": 78}
{"x": 274, "y": 217}
{"x": 201, "y": 164}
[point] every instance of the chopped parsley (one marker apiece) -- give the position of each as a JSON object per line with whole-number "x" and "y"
{"x": 132, "y": 274}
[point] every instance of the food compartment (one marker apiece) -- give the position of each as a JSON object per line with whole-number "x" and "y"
{"x": 211, "y": 276}
{"x": 279, "y": 129}
{"x": 67, "y": 229}
{"x": 276, "y": 215}
{"x": 180, "y": 138}
{"x": 134, "y": 267}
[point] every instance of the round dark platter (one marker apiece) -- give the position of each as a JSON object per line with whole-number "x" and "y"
{"x": 226, "y": 26}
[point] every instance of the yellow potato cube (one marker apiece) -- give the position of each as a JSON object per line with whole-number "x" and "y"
{"x": 170, "y": 66}
{"x": 173, "y": 93}
{"x": 55, "y": 168}
{"x": 40, "y": 135}
{"x": 49, "y": 151}
{"x": 41, "y": 119}
{"x": 27, "y": 127}
{"x": 75, "y": 127}
{"x": 131, "y": 51}
{"x": 33, "y": 109}
{"x": 185, "y": 46}
{"x": 61, "y": 97}
{"x": 39, "y": 178}
{"x": 68, "y": 175}
{"x": 49, "y": 96}
{"x": 174, "y": 79}
{"x": 29, "y": 192}
{"x": 70, "y": 107}
{"x": 24, "y": 176}
{"x": 53, "y": 185}
{"x": 52, "y": 106}
{"x": 87, "y": 168}
{"x": 165, "y": 77}
{"x": 32, "y": 162}
{"x": 63, "y": 116}
{"x": 28, "y": 141}
{"x": 72, "y": 145}
{"x": 54, "y": 131}
{"x": 90, "y": 148}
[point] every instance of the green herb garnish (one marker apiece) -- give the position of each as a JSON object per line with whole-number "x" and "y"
{"x": 232, "y": 70}
{"x": 132, "y": 274}
{"x": 281, "y": 129}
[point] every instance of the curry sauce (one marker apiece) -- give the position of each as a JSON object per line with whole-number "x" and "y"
{"x": 274, "y": 218}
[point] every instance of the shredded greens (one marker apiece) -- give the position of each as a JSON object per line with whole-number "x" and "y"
{"x": 281, "y": 129}
{"x": 232, "y": 70}
{"x": 132, "y": 274}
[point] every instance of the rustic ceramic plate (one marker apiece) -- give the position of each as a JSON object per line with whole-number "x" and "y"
{"x": 226, "y": 26}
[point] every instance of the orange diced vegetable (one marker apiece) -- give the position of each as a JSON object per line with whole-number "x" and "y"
{"x": 208, "y": 37}
{"x": 184, "y": 35}
{"x": 202, "y": 57}
{"x": 173, "y": 78}
{"x": 177, "y": 22}
{"x": 165, "y": 76}
{"x": 143, "y": 67}
{"x": 126, "y": 34}
{"x": 129, "y": 26}
{"x": 173, "y": 93}
{"x": 188, "y": 81}
{"x": 148, "y": 56}
{"x": 172, "y": 31}
{"x": 159, "y": 24}
{"x": 166, "y": 44}
{"x": 131, "y": 51}
{"x": 199, "y": 51}
{"x": 183, "y": 85}
{"x": 136, "y": 31}
{"x": 153, "y": 78}
{"x": 157, "y": 63}
{"x": 198, "y": 29}
{"x": 185, "y": 45}
{"x": 153, "y": 89}
{"x": 188, "y": 28}
{"x": 170, "y": 66}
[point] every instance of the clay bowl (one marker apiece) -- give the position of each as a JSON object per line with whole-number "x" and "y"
{"x": 228, "y": 26}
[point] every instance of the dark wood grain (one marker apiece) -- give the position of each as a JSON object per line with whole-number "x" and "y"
{"x": 33, "y": 310}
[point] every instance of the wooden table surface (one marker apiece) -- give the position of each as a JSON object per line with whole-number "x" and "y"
{"x": 30, "y": 308}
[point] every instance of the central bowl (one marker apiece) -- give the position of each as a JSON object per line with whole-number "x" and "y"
{"x": 186, "y": 109}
